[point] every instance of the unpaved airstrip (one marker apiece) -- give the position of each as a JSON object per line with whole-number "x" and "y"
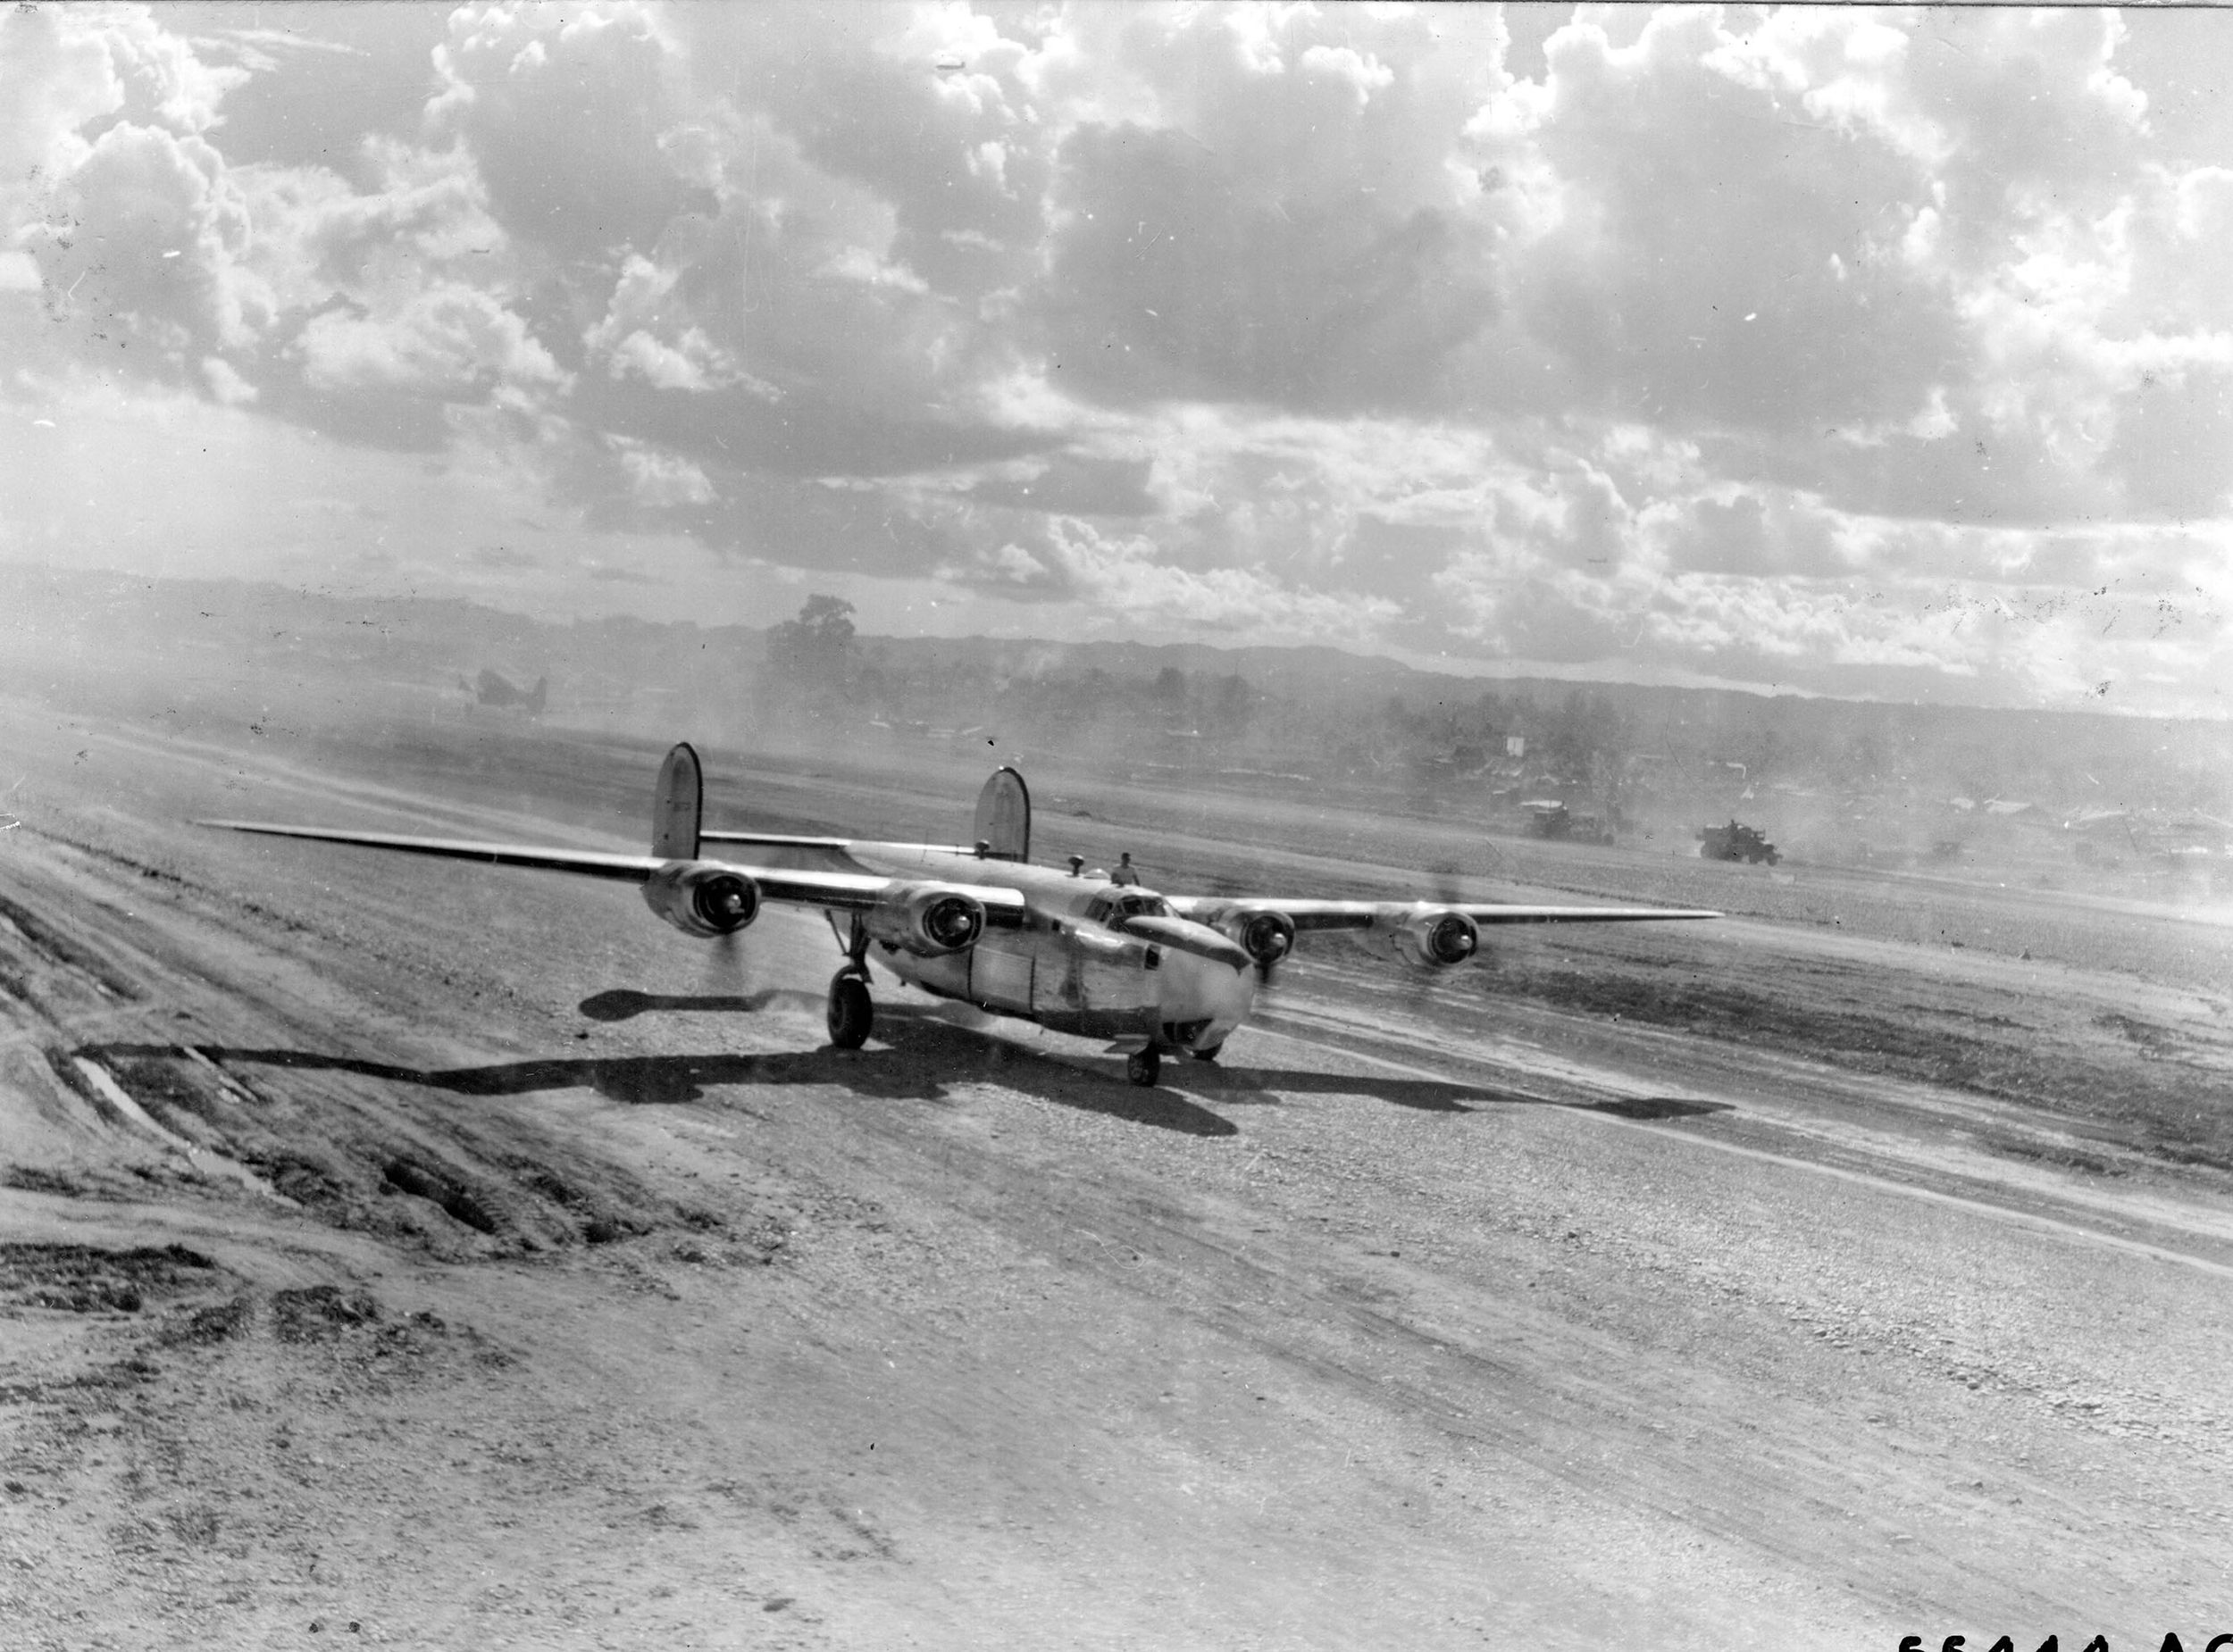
{"x": 416, "y": 1254}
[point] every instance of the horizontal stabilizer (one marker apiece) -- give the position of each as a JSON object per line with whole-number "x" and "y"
{"x": 773, "y": 839}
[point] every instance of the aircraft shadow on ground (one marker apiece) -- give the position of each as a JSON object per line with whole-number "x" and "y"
{"x": 1233, "y": 1085}
{"x": 624, "y": 1005}
{"x": 1229, "y": 1084}
{"x": 923, "y": 1056}
{"x": 1657, "y": 1107}
{"x": 1241, "y": 1086}
{"x": 925, "y": 1050}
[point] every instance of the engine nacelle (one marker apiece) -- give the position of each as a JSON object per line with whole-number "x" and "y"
{"x": 1433, "y": 937}
{"x": 930, "y": 920}
{"x": 704, "y": 901}
{"x": 1267, "y": 937}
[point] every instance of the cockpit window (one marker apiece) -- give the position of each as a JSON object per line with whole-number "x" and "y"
{"x": 1113, "y": 909}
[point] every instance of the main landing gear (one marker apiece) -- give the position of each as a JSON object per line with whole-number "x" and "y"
{"x": 1144, "y": 1067}
{"x": 852, "y": 1012}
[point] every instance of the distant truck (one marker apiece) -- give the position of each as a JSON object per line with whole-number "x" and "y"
{"x": 1546, "y": 818}
{"x": 1734, "y": 842}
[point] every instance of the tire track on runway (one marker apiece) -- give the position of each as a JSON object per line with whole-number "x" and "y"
{"x": 1979, "y": 1198}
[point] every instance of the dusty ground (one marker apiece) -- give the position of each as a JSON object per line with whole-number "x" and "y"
{"x": 425, "y": 1255}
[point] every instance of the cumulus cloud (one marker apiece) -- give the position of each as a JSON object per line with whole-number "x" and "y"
{"x": 1820, "y": 340}
{"x": 1263, "y": 216}
{"x": 1703, "y": 234}
{"x": 157, "y": 258}
{"x": 1128, "y": 583}
{"x": 579, "y": 120}
{"x": 225, "y": 383}
{"x": 138, "y": 245}
{"x": 439, "y": 341}
{"x": 663, "y": 480}
{"x": 641, "y": 336}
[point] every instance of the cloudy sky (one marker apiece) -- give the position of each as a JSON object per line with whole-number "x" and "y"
{"x": 1852, "y": 351}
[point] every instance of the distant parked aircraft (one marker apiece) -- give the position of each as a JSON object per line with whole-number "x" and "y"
{"x": 492, "y": 690}
{"x": 980, "y": 923}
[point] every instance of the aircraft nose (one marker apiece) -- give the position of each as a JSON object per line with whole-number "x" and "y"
{"x": 1197, "y": 939}
{"x": 1197, "y": 989}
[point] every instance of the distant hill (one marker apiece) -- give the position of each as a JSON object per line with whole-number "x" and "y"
{"x": 235, "y": 650}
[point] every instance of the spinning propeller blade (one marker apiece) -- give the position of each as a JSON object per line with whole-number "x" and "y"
{"x": 725, "y": 973}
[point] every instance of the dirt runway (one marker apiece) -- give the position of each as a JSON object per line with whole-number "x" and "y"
{"x": 432, "y": 1255}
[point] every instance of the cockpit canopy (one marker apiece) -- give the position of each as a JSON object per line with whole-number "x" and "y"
{"x": 1114, "y": 906}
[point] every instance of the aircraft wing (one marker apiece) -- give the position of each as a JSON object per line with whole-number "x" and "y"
{"x": 1323, "y": 914}
{"x": 845, "y": 891}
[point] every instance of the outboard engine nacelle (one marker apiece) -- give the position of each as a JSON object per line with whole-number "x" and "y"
{"x": 1435, "y": 937}
{"x": 704, "y": 901}
{"x": 929, "y": 920}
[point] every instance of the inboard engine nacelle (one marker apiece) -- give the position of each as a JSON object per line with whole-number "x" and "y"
{"x": 1434, "y": 936}
{"x": 1266, "y": 936}
{"x": 705, "y": 901}
{"x": 929, "y": 920}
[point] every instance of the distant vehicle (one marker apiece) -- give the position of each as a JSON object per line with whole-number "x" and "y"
{"x": 980, "y": 923}
{"x": 1548, "y": 818}
{"x": 1734, "y": 842}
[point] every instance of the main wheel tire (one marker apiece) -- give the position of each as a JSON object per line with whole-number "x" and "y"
{"x": 1210, "y": 1055}
{"x": 852, "y": 1012}
{"x": 1144, "y": 1067}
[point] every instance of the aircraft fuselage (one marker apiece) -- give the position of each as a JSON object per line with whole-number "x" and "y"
{"x": 1183, "y": 986}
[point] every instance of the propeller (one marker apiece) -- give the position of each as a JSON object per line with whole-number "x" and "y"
{"x": 1268, "y": 939}
{"x": 727, "y": 973}
{"x": 1442, "y": 881}
{"x": 727, "y": 904}
{"x": 1267, "y": 980}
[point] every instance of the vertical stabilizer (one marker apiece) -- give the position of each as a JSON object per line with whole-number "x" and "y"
{"x": 676, "y": 809}
{"x": 1004, "y": 816}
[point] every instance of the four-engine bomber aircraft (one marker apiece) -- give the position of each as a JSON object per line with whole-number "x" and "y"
{"x": 1075, "y": 952}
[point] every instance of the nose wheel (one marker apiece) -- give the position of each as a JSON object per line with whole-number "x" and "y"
{"x": 1144, "y": 1067}
{"x": 852, "y": 1012}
